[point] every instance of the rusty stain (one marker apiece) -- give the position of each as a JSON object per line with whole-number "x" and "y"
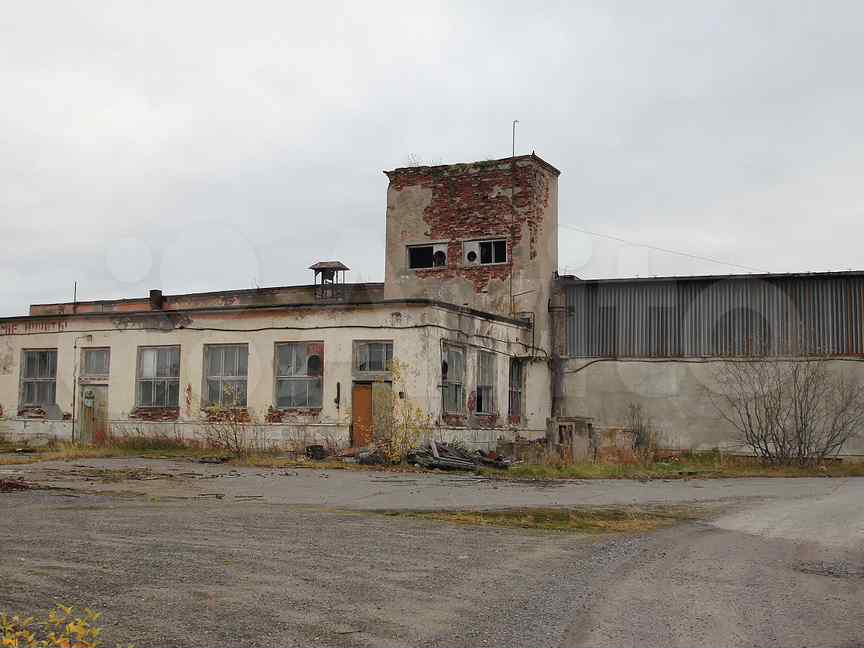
{"x": 188, "y": 399}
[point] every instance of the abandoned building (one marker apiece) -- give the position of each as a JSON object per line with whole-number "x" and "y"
{"x": 472, "y": 323}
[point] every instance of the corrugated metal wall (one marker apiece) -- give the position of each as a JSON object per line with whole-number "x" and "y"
{"x": 730, "y": 317}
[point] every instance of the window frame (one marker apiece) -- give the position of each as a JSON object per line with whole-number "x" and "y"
{"x": 297, "y": 378}
{"x": 516, "y": 392}
{"x": 206, "y": 403}
{"x": 84, "y": 374}
{"x": 432, "y": 246}
{"x": 492, "y": 242}
{"x": 488, "y": 404}
{"x": 388, "y": 358}
{"x": 156, "y": 378}
{"x": 37, "y": 380}
{"x": 447, "y": 381}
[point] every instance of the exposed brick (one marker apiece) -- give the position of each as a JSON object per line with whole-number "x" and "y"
{"x": 473, "y": 201}
{"x": 155, "y": 414}
{"x": 32, "y": 412}
{"x": 227, "y": 415}
{"x": 283, "y": 415}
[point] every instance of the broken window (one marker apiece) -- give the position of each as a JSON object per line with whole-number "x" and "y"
{"x": 452, "y": 378}
{"x": 95, "y": 363}
{"x": 373, "y": 356}
{"x": 427, "y": 256}
{"x": 158, "y": 377}
{"x": 39, "y": 378}
{"x": 485, "y": 382}
{"x": 226, "y": 369}
{"x": 517, "y": 370}
{"x": 493, "y": 252}
{"x": 299, "y": 367}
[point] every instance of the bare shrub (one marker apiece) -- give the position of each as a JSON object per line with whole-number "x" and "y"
{"x": 407, "y": 422}
{"x": 645, "y": 435}
{"x": 789, "y": 411}
{"x": 235, "y": 430}
{"x": 134, "y": 438}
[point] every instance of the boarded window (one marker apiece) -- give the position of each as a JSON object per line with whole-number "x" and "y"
{"x": 373, "y": 356}
{"x": 226, "y": 369}
{"x": 453, "y": 378}
{"x": 485, "y": 382}
{"x": 299, "y": 369}
{"x": 517, "y": 373}
{"x": 95, "y": 363}
{"x": 39, "y": 378}
{"x": 493, "y": 251}
{"x": 158, "y": 377}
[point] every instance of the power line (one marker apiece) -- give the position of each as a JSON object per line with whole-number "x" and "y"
{"x": 661, "y": 249}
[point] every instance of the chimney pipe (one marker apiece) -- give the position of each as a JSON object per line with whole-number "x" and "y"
{"x": 155, "y": 300}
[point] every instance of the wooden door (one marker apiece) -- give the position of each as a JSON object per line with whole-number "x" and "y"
{"x": 361, "y": 415}
{"x": 94, "y": 414}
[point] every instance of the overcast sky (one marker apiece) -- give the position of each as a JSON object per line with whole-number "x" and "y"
{"x": 211, "y": 145}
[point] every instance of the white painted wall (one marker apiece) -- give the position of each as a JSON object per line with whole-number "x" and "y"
{"x": 416, "y": 332}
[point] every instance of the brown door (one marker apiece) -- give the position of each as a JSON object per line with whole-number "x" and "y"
{"x": 94, "y": 414}
{"x": 361, "y": 415}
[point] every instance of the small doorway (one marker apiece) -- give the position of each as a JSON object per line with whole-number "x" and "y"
{"x": 362, "y": 424}
{"x": 94, "y": 414}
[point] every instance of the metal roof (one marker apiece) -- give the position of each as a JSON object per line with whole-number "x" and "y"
{"x": 329, "y": 265}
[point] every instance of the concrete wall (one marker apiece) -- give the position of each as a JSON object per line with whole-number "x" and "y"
{"x": 416, "y": 331}
{"x": 676, "y": 394}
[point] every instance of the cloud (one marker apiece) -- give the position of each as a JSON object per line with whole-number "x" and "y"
{"x": 728, "y": 130}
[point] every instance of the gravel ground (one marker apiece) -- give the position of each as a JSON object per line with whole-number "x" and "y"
{"x": 216, "y": 572}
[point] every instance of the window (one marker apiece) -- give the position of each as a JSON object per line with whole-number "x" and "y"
{"x": 493, "y": 252}
{"x": 298, "y": 374}
{"x": 427, "y": 256}
{"x": 373, "y": 356}
{"x": 517, "y": 371}
{"x": 452, "y": 378}
{"x": 485, "y": 382}
{"x": 95, "y": 363}
{"x": 158, "y": 379}
{"x": 39, "y": 379}
{"x": 226, "y": 368}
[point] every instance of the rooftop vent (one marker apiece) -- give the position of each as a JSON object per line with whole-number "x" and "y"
{"x": 329, "y": 279}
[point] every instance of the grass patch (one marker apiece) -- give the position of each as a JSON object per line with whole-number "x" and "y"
{"x": 701, "y": 466}
{"x": 615, "y": 519}
{"x": 72, "y": 451}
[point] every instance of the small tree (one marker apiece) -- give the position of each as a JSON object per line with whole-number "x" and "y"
{"x": 789, "y": 411}
{"x": 407, "y": 422}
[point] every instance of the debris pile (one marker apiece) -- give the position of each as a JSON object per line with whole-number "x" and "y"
{"x": 434, "y": 454}
{"x": 8, "y": 485}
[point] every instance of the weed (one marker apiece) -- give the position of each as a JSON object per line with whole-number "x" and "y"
{"x": 619, "y": 519}
{"x": 62, "y": 628}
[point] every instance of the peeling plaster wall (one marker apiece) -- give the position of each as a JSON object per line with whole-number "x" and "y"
{"x": 457, "y": 203}
{"x": 416, "y": 332}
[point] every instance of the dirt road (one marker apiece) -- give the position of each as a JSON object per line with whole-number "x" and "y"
{"x": 782, "y": 566}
